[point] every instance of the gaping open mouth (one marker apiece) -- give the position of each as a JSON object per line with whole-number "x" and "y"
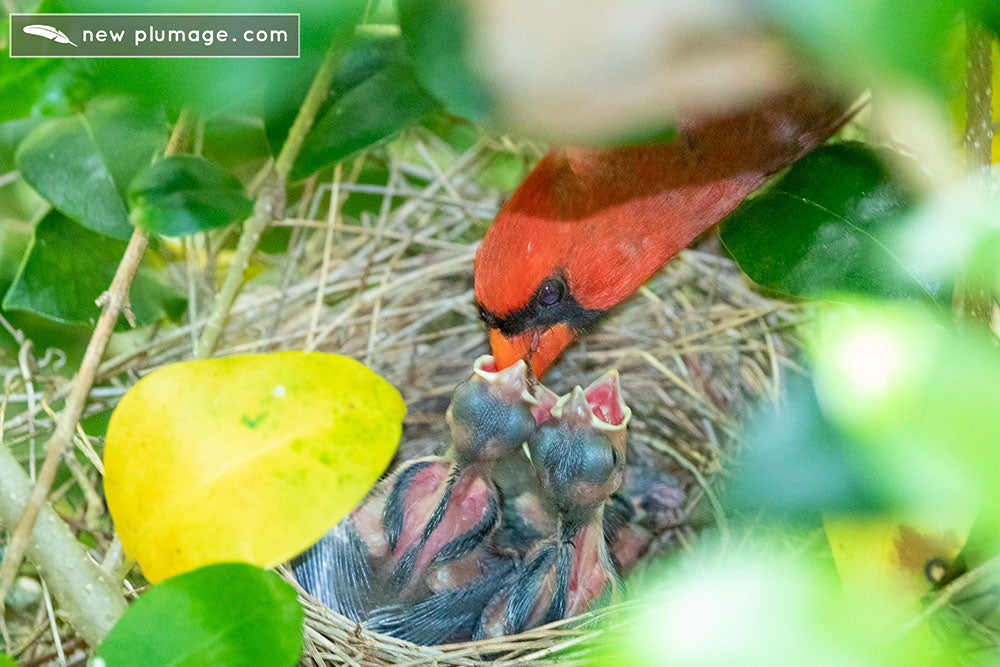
{"x": 605, "y": 398}
{"x": 510, "y": 384}
{"x": 546, "y": 401}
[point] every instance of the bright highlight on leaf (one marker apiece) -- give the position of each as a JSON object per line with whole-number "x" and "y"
{"x": 220, "y": 615}
{"x": 247, "y": 458}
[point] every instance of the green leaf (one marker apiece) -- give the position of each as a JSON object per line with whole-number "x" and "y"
{"x": 7, "y": 661}
{"x": 370, "y": 49}
{"x": 21, "y": 83}
{"x": 832, "y": 223}
{"x": 436, "y": 34}
{"x": 384, "y": 104}
{"x": 866, "y": 40}
{"x": 797, "y": 464}
{"x": 83, "y": 164}
{"x": 12, "y": 132}
{"x": 903, "y": 419}
{"x": 67, "y": 267}
{"x": 219, "y": 615}
{"x": 211, "y": 85}
{"x": 182, "y": 195}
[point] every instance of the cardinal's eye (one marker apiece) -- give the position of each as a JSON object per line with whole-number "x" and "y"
{"x": 551, "y": 291}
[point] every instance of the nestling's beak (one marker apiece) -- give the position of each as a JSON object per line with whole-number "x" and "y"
{"x": 538, "y": 347}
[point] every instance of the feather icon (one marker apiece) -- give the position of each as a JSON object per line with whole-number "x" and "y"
{"x": 48, "y": 32}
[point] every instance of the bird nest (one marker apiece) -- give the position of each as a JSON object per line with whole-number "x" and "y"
{"x": 380, "y": 269}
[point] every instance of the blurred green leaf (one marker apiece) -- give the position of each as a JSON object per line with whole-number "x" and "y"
{"x": 381, "y": 106}
{"x": 237, "y": 143}
{"x": 987, "y": 11}
{"x": 832, "y": 223}
{"x": 7, "y": 661}
{"x": 371, "y": 49}
{"x": 220, "y": 615}
{"x": 436, "y": 34}
{"x": 758, "y": 604}
{"x": 865, "y": 40}
{"x": 919, "y": 400}
{"x": 797, "y": 464}
{"x": 67, "y": 267}
{"x": 21, "y": 83}
{"x": 213, "y": 85}
{"x": 12, "y": 132}
{"x": 907, "y": 415}
{"x": 83, "y": 164}
{"x": 182, "y": 195}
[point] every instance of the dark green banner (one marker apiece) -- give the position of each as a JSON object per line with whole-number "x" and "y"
{"x": 154, "y": 35}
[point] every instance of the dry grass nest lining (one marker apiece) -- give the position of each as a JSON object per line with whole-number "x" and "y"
{"x": 695, "y": 348}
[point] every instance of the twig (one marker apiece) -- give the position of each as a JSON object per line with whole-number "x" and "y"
{"x": 990, "y": 568}
{"x": 973, "y": 296}
{"x": 268, "y": 206}
{"x": 113, "y": 302}
{"x": 324, "y": 266}
{"x": 53, "y": 626}
{"x": 91, "y": 600}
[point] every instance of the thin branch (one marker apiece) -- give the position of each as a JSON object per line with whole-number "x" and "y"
{"x": 988, "y": 570}
{"x": 973, "y": 296}
{"x": 270, "y": 205}
{"x": 91, "y": 600}
{"x": 324, "y": 266}
{"x": 112, "y": 302}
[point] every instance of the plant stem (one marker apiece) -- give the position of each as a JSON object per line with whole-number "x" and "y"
{"x": 269, "y": 205}
{"x": 113, "y": 302}
{"x": 978, "y": 97}
{"x": 91, "y": 599}
{"x": 973, "y": 298}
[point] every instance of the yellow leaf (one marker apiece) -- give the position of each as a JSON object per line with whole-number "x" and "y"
{"x": 247, "y": 458}
{"x": 885, "y": 561}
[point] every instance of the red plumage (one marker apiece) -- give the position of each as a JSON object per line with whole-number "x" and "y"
{"x": 606, "y": 220}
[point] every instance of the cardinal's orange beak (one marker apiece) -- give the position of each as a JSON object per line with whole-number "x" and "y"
{"x": 538, "y": 347}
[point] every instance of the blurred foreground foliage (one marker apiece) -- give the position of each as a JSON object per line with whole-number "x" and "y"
{"x": 893, "y": 442}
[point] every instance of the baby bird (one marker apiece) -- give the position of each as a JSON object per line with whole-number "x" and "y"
{"x": 579, "y": 457}
{"x": 422, "y": 529}
{"x": 648, "y": 503}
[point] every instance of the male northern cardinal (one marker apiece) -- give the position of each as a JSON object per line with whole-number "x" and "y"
{"x": 588, "y": 227}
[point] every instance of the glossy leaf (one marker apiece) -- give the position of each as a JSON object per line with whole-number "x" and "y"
{"x": 67, "y": 267}
{"x": 832, "y": 223}
{"x": 437, "y": 34}
{"x": 221, "y": 615}
{"x": 83, "y": 164}
{"x": 182, "y": 195}
{"x": 384, "y": 104}
{"x": 249, "y": 458}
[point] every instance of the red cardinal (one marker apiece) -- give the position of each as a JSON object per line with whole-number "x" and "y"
{"x": 588, "y": 227}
